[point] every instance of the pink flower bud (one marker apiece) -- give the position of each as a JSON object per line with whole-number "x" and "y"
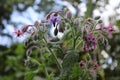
{"x": 43, "y": 21}
{"x": 36, "y": 23}
{"x": 69, "y": 15}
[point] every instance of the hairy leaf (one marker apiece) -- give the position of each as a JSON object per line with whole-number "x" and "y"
{"x": 29, "y": 75}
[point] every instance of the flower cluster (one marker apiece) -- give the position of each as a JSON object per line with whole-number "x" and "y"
{"x": 24, "y": 29}
{"x": 56, "y": 31}
{"x": 95, "y": 65}
{"x": 92, "y": 35}
{"x": 109, "y": 29}
{"x": 90, "y": 42}
{"x": 64, "y": 34}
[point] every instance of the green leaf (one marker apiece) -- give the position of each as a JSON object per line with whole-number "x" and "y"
{"x": 69, "y": 60}
{"x": 86, "y": 76}
{"x": 76, "y": 71}
{"x": 51, "y": 76}
{"x": 29, "y": 75}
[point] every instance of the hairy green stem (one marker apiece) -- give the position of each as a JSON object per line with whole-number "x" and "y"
{"x": 42, "y": 60}
{"x": 55, "y": 57}
{"x": 73, "y": 32}
{"x": 46, "y": 72}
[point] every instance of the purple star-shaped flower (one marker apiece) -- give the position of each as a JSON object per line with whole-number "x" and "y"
{"x": 54, "y": 19}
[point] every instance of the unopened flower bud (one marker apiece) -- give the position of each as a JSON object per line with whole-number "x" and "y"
{"x": 29, "y": 40}
{"x": 69, "y": 15}
{"x": 100, "y": 40}
{"x": 28, "y": 53}
{"x": 100, "y": 21}
{"x": 43, "y": 21}
{"x": 25, "y": 28}
{"x": 36, "y": 37}
{"x": 103, "y": 41}
{"x": 77, "y": 21}
{"x": 84, "y": 30}
{"x": 26, "y": 43}
{"x": 56, "y": 14}
{"x": 97, "y": 17}
{"x": 36, "y": 23}
{"x": 61, "y": 27}
{"x": 89, "y": 19}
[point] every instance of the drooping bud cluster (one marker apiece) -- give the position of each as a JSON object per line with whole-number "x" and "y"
{"x": 90, "y": 42}
{"x": 103, "y": 41}
{"x": 92, "y": 35}
{"x": 94, "y": 64}
{"x": 24, "y": 30}
{"x": 109, "y": 29}
{"x": 69, "y": 15}
{"x": 88, "y": 38}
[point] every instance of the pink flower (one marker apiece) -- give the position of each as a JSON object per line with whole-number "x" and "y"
{"x": 19, "y": 33}
{"x": 82, "y": 63}
{"x": 110, "y": 29}
{"x": 90, "y": 43}
{"x": 96, "y": 65}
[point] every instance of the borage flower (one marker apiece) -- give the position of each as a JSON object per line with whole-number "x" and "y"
{"x": 82, "y": 63}
{"x": 90, "y": 42}
{"x": 19, "y": 33}
{"x": 110, "y": 29}
{"x": 54, "y": 20}
{"x": 24, "y": 29}
{"x": 56, "y": 31}
{"x": 96, "y": 65}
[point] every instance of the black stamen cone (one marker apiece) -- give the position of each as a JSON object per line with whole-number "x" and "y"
{"x": 56, "y": 31}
